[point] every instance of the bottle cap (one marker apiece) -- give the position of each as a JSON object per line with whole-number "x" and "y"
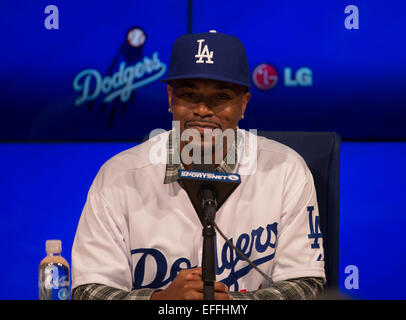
{"x": 53, "y": 246}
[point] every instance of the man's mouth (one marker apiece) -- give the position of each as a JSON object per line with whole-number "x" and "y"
{"x": 200, "y": 126}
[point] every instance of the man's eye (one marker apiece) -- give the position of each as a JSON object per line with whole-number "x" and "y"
{"x": 189, "y": 95}
{"x": 222, "y": 96}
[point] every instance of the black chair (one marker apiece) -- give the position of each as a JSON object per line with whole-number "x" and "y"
{"x": 321, "y": 151}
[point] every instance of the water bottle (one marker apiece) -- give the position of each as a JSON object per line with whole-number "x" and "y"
{"x": 53, "y": 274}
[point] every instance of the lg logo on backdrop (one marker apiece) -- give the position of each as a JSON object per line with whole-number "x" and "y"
{"x": 265, "y": 77}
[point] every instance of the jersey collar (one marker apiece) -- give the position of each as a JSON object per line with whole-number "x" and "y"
{"x": 173, "y": 166}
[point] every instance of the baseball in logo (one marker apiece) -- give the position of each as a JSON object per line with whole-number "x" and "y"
{"x": 136, "y": 37}
{"x": 265, "y": 76}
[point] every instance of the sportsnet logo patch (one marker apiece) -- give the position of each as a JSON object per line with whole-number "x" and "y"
{"x": 209, "y": 176}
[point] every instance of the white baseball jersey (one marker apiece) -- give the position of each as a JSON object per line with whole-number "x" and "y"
{"x": 137, "y": 232}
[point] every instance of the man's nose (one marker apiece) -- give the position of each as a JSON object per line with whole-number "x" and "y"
{"x": 203, "y": 110}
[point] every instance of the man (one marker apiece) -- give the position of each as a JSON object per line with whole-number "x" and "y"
{"x": 139, "y": 236}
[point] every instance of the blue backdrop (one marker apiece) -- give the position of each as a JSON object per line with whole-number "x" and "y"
{"x": 88, "y": 81}
{"x": 44, "y": 188}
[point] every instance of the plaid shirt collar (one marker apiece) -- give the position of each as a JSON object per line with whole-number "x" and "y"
{"x": 172, "y": 166}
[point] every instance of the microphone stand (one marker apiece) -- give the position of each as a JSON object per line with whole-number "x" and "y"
{"x": 208, "y": 256}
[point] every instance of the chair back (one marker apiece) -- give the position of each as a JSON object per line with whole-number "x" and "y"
{"x": 321, "y": 151}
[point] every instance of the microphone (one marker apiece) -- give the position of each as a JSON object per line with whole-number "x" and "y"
{"x": 207, "y": 188}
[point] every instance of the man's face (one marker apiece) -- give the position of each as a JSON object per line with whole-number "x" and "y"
{"x": 202, "y": 104}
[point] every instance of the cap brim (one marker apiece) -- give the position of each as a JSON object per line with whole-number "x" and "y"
{"x": 207, "y": 76}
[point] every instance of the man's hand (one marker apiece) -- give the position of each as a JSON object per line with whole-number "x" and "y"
{"x": 188, "y": 285}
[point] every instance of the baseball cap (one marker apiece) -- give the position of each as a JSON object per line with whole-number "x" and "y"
{"x": 209, "y": 55}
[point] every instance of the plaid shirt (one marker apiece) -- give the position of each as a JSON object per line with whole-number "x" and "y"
{"x": 296, "y": 289}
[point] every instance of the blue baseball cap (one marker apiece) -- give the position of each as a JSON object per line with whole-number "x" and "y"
{"x": 210, "y": 55}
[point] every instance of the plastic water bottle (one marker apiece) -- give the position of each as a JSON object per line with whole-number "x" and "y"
{"x": 53, "y": 274}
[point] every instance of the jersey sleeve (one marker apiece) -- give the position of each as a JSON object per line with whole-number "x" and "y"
{"x": 100, "y": 253}
{"x": 299, "y": 248}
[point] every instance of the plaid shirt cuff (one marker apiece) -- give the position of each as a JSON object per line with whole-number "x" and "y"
{"x": 295, "y": 289}
{"x": 96, "y": 291}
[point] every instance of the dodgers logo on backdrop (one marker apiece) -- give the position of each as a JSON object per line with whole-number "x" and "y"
{"x": 151, "y": 269}
{"x": 129, "y": 70}
{"x": 265, "y": 76}
{"x": 204, "y": 54}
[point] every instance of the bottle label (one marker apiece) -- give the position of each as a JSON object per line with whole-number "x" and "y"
{"x": 54, "y": 282}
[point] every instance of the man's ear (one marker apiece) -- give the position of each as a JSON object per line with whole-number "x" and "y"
{"x": 245, "y": 99}
{"x": 169, "y": 89}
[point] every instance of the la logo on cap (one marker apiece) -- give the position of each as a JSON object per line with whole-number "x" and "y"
{"x": 205, "y": 53}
